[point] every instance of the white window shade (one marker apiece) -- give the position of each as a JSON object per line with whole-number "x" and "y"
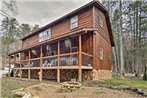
{"x": 45, "y": 35}
{"x": 101, "y": 53}
{"x": 101, "y": 22}
{"x": 74, "y": 22}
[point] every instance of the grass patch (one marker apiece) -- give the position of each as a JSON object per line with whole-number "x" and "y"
{"x": 99, "y": 91}
{"x": 116, "y": 81}
{"x": 8, "y": 84}
{"x": 7, "y": 88}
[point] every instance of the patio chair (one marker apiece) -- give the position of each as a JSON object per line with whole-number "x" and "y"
{"x": 45, "y": 64}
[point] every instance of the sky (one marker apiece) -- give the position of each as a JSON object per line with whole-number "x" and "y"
{"x": 42, "y": 12}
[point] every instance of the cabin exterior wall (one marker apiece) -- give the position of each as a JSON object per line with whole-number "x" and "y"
{"x": 84, "y": 21}
{"x": 89, "y": 43}
{"x": 102, "y": 68}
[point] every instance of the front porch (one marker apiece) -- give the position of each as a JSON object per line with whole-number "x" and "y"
{"x": 70, "y": 53}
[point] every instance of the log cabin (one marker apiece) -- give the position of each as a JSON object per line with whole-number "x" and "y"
{"x": 75, "y": 46}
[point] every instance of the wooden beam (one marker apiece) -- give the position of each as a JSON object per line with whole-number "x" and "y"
{"x": 29, "y": 72}
{"x": 20, "y": 70}
{"x": 14, "y": 65}
{"x": 71, "y": 53}
{"x": 94, "y": 49}
{"x": 80, "y": 59}
{"x": 40, "y": 73}
{"x": 58, "y": 70}
{"x": 50, "y": 56}
{"x": 93, "y": 16}
{"x": 87, "y": 54}
{"x": 9, "y": 66}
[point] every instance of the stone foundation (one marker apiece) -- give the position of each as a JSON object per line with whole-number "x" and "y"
{"x": 86, "y": 75}
{"x": 101, "y": 74}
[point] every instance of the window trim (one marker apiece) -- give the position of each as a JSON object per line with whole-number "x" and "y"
{"x": 101, "y": 22}
{"x": 74, "y": 22}
{"x": 47, "y": 34}
{"x": 101, "y": 53}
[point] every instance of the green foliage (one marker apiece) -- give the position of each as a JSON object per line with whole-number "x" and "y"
{"x": 7, "y": 87}
{"x": 99, "y": 91}
{"x": 134, "y": 33}
{"x": 24, "y": 29}
{"x": 11, "y": 32}
{"x": 116, "y": 81}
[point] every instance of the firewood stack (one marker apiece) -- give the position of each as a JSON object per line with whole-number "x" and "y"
{"x": 70, "y": 86}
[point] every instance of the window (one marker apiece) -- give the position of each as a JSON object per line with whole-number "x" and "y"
{"x": 101, "y": 53}
{"x": 74, "y": 22}
{"x": 45, "y": 35}
{"x": 27, "y": 41}
{"x": 109, "y": 57}
{"x": 101, "y": 22}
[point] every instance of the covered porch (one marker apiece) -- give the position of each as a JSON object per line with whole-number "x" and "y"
{"x": 69, "y": 53}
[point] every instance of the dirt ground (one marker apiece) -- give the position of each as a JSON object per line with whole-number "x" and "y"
{"x": 48, "y": 89}
{"x": 53, "y": 91}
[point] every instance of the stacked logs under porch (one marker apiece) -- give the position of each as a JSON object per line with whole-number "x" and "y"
{"x": 65, "y": 74}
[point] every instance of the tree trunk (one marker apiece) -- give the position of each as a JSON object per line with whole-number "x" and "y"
{"x": 121, "y": 43}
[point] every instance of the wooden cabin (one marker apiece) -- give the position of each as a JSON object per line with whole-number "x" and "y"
{"x": 75, "y": 46}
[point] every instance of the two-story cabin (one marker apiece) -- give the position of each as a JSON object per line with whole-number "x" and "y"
{"x": 75, "y": 46}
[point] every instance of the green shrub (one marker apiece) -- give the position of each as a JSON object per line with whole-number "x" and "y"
{"x": 145, "y": 74}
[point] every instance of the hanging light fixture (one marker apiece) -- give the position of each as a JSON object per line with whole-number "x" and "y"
{"x": 48, "y": 48}
{"x": 34, "y": 52}
{"x": 17, "y": 55}
{"x": 68, "y": 43}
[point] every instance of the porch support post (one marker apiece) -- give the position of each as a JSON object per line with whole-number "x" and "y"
{"x": 9, "y": 65}
{"x": 14, "y": 65}
{"x": 40, "y": 73}
{"x": 80, "y": 59}
{"x": 58, "y": 70}
{"x": 20, "y": 70}
{"x": 29, "y": 77}
{"x": 94, "y": 49}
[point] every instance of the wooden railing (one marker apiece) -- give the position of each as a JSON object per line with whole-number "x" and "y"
{"x": 66, "y": 59}
{"x": 87, "y": 59}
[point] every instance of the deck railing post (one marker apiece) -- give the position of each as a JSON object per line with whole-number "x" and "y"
{"x": 58, "y": 70}
{"x": 29, "y": 77}
{"x": 94, "y": 49}
{"x": 80, "y": 59}
{"x": 14, "y": 65}
{"x": 40, "y": 73}
{"x": 20, "y": 70}
{"x": 9, "y": 65}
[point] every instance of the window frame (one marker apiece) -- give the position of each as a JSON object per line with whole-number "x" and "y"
{"x": 74, "y": 22}
{"x": 101, "y": 53}
{"x": 101, "y": 21}
{"x": 45, "y": 35}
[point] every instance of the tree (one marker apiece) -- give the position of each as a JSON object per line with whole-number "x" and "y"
{"x": 35, "y": 27}
{"x": 128, "y": 21}
{"x": 24, "y": 29}
{"x": 9, "y": 29}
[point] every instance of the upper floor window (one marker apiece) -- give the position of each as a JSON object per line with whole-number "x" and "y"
{"x": 101, "y": 53}
{"x": 101, "y": 22}
{"x": 27, "y": 42}
{"x": 74, "y": 22}
{"x": 45, "y": 35}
